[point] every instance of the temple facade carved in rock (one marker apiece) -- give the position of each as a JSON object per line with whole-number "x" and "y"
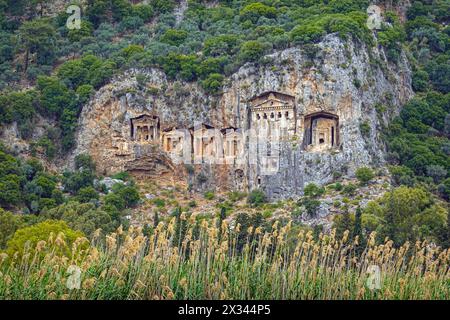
{"x": 276, "y": 126}
{"x": 249, "y": 155}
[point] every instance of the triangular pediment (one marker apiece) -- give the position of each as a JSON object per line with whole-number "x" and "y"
{"x": 268, "y": 95}
{"x": 271, "y": 102}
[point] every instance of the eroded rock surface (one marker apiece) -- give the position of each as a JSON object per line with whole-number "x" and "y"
{"x": 344, "y": 79}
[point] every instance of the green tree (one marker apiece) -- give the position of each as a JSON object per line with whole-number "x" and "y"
{"x": 83, "y": 176}
{"x": 343, "y": 222}
{"x": 54, "y": 96}
{"x": 307, "y": 33}
{"x": 73, "y": 73}
{"x": 128, "y": 193}
{"x": 84, "y": 217}
{"x": 174, "y": 37}
{"x": 163, "y": 6}
{"x": 113, "y": 199}
{"x": 9, "y": 223}
{"x": 448, "y": 228}
{"x": 211, "y": 66}
{"x": 245, "y": 221}
{"x": 10, "y": 191}
{"x": 402, "y": 175}
{"x": 85, "y": 31}
{"x": 155, "y": 219}
{"x": 410, "y": 214}
{"x": 28, "y": 237}
{"x": 68, "y": 124}
{"x": 222, "y": 45}
{"x": 143, "y": 11}
{"x": 183, "y": 65}
{"x": 87, "y": 194}
{"x": 256, "y": 10}
{"x": 444, "y": 189}
{"x": 38, "y": 36}
{"x": 180, "y": 227}
{"x": 213, "y": 83}
{"x": 420, "y": 80}
{"x": 84, "y": 93}
{"x": 97, "y": 11}
{"x": 251, "y": 51}
{"x": 358, "y": 231}
{"x": 391, "y": 37}
{"x": 311, "y": 206}
{"x": 132, "y": 50}
{"x": 21, "y": 108}
{"x": 437, "y": 172}
{"x": 45, "y": 183}
{"x": 11, "y": 179}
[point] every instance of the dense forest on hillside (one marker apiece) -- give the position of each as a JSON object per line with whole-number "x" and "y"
{"x": 50, "y": 72}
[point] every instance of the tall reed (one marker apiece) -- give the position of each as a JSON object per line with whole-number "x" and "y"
{"x": 211, "y": 262}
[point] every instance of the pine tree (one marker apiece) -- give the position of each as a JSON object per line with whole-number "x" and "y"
{"x": 390, "y": 228}
{"x": 155, "y": 219}
{"x": 448, "y": 228}
{"x": 222, "y": 216}
{"x": 357, "y": 231}
{"x": 346, "y": 221}
{"x": 180, "y": 227}
{"x": 344, "y": 224}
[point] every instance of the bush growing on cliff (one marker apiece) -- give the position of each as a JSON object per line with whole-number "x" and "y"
{"x": 251, "y": 51}
{"x": 364, "y": 127}
{"x": 313, "y": 191}
{"x": 364, "y": 175}
{"x": 256, "y": 10}
{"x": 209, "y": 195}
{"x": 349, "y": 189}
{"x": 82, "y": 177}
{"x": 307, "y": 33}
{"x": 213, "y": 83}
{"x": 256, "y": 197}
{"x": 311, "y": 206}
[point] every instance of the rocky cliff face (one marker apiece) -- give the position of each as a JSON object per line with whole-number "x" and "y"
{"x": 343, "y": 78}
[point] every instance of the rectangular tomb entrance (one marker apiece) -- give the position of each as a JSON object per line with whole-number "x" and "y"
{"x": 145, "y": 129}
{"x": 321, "y": 131}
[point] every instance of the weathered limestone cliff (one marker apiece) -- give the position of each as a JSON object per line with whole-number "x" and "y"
{"x": 127, "y": 123}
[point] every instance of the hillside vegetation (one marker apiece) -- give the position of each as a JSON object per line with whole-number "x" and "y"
{"x": 240, "y": 248}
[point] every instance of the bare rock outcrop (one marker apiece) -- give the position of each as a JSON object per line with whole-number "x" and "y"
{"x": 342, "y": 79}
